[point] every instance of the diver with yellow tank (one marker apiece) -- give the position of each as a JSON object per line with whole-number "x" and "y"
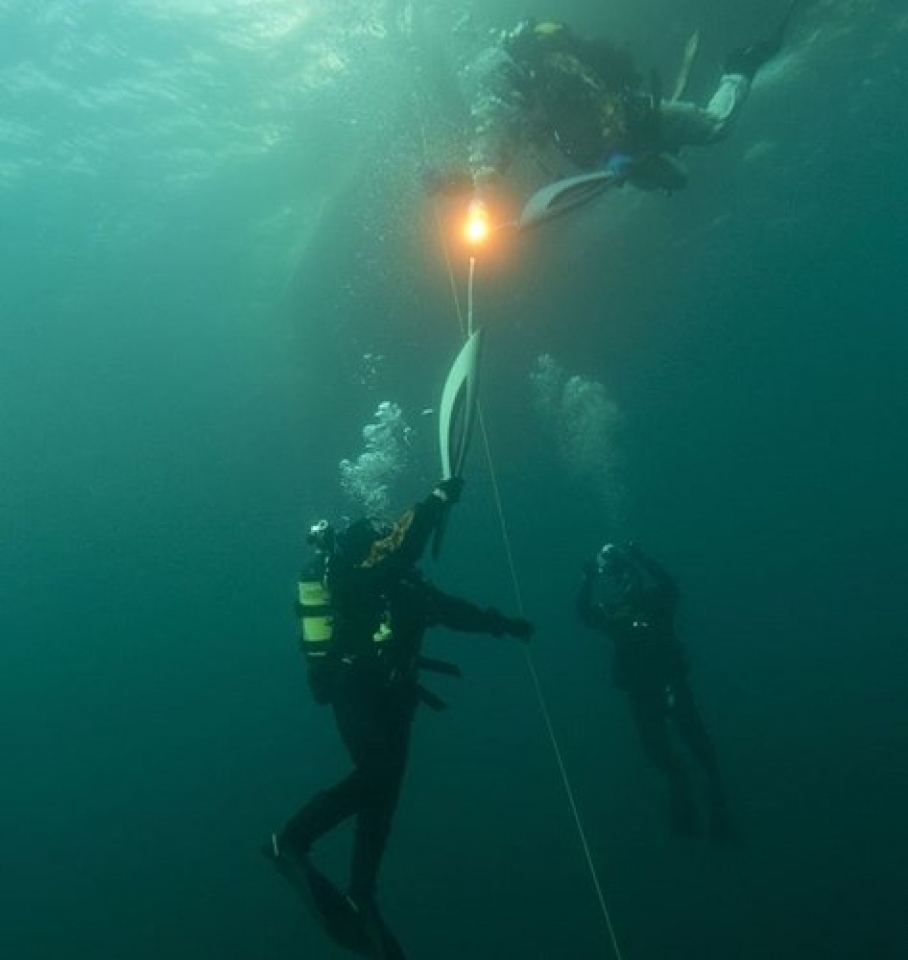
{"x": 364, "y": 608}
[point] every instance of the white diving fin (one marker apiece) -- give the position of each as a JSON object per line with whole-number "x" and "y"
{"x": 556, "y": 198}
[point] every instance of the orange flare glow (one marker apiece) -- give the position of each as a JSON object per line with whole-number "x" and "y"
{"x": 477, "y": 227}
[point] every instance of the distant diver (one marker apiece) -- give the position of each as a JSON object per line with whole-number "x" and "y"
{"x": 636, "y": 610}
{"x": 544, "y": 90}
{"x": 364, "y": 608}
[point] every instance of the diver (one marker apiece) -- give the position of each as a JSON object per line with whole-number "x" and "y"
{"x": 636, "y": 607}
{"x": 578, "y": 104}
{"x": 364, "y": 611}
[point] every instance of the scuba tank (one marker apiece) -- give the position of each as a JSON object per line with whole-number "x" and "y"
{"x": 316, "y": 628}
{"x": 313, "y": 607}
{"x": 313, "y": 603}
{"x": 372, "y": 635}
{"x": 316, "y": 615}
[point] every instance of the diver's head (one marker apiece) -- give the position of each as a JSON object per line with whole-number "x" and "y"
{"x": 355, "y": 541}
{"x": 321, "y": 536}
{"x": 619, "y": 572}
{"x": 611, "y": 558}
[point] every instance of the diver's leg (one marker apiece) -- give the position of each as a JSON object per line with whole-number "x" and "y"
{"x": 329, "y": 808}
{"x": 650, "y": 719}
{"x": 693, "y": 732}
{"x": 325, "y": 811}
{"x": 382, "y": 759}
{"x": 375, "y": 729}
{"x": 684, "y": 124}
{"x": 725, "y": 104}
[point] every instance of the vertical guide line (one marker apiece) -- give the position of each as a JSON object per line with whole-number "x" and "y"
{"x": 466, "y": 329}
{"x": 534, "y": 674}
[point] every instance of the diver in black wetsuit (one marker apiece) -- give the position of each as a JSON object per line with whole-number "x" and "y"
{"x": 637, "y": 612}
{"x": 366, "y": 666}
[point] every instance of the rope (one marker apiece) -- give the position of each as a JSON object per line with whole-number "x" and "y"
{"x": 470, "y": 324}
{"x": 531, "y": 665}
{"x": 466, "y": 329}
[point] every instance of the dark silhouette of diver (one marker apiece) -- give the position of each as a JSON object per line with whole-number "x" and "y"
{"x": 578, "y": 103}
{"x": 364, "y": 610}
{"x": 636, "y": 609}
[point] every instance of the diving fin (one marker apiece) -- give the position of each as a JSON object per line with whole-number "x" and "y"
{"x": 563, "y": 195}
{"x": 334, "y": 912}
{"x": 338, "y": 916}
{"x": 382, "y": 942}
{"x": 687, "y": 62}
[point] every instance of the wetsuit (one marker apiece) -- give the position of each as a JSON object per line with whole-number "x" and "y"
{"x": 649, "y": 664}
{"x": 557, "y": 93}
{"x": 374, "y": 691}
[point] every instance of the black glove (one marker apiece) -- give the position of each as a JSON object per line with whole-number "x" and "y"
{"x": 449, "y": 489}
{"x": 499, "y": 625}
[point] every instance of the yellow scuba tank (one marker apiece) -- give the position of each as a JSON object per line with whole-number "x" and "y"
{"x": 550, "y": 28}
{"x": 315, "y": 613}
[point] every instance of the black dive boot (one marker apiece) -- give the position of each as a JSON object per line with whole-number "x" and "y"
{"x": 748, "y": 60}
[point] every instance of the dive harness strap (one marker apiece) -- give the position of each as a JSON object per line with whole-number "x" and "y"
{"x": 431, "y": 700}
{"x": 442, "y": 667}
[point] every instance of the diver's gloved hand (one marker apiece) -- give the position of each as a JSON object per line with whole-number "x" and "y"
{"x": 499, "y": 625}
{"x": 449, "y": 490}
